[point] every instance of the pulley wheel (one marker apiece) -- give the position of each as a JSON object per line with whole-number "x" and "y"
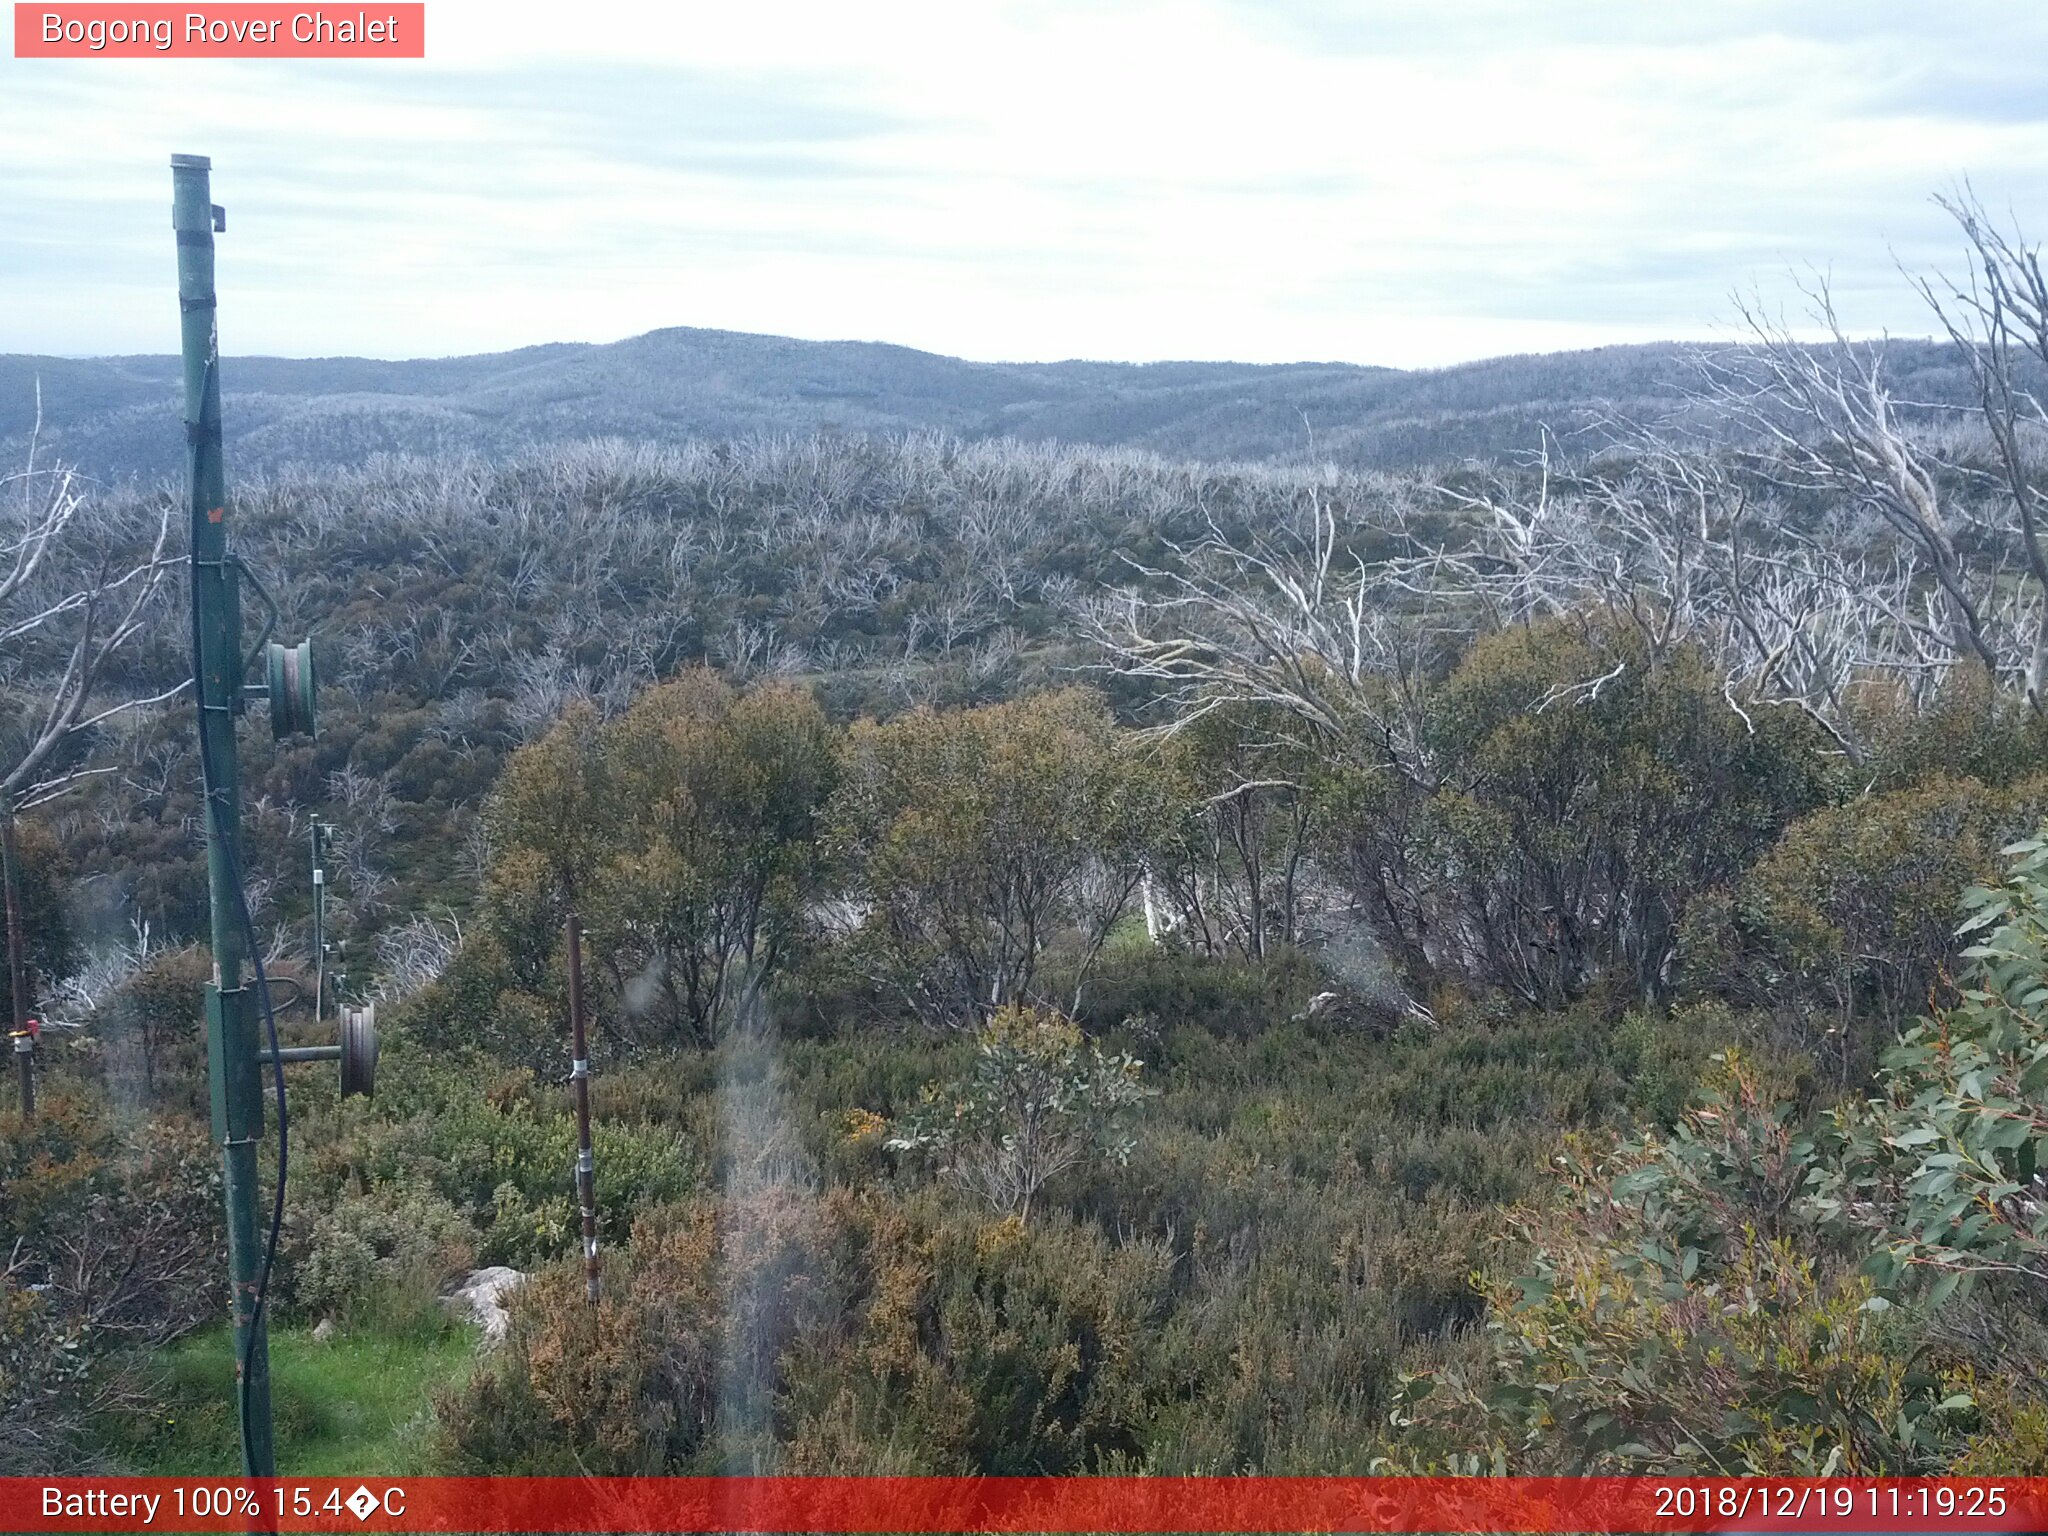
{"x": 359, "y": 1050}
{"x": 290, "y": 669}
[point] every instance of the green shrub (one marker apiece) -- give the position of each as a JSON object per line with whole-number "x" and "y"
{"x": 979, "y": 1345}
{"x": 1846, "y": 926}
{"x": 1696, "y": 1302}
{"x": 1772, "y": 1363}
{"x": 684, "y": 831}
{"x": 478, "y": 1005}
{"x": 697, "y": 1309}
{"x": 46, "y": 922}
{"x": 1574, "y": 790}
{"x": 1045, "y": 1339}
{"x": 1680, "y": 1317}
{"x": 1947, "y": 1156}
{"x": 1237, "y": 827}
{"x": 496, "y": 1146}
{"x": 1039, "y": 1103}
{"x": 112, "y": 1246}
{"x": 974, "y": 840}
{"x": 1164, "y": 987}
{"x": 154, "y": 1033}
{"x": 385, "y": 1255}
{"x": 1971, "y": 729}
{"x": 1664, "y": 1057}
{"x": 117, "y": 1217}
{"x": 627, "y": 1386}
{"x": 47, "y": 1397}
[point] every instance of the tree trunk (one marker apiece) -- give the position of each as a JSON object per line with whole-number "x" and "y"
{"x": 17, "y": 967}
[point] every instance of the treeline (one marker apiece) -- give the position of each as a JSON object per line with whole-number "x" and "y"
{"x": 456, "y": 607}
{"x": 117, "y": 420}
{"x": 1636, "y": 847}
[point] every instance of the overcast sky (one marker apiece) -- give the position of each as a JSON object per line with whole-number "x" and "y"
{"x": 1410, "y": 182}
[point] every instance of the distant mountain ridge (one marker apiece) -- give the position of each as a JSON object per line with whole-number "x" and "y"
{"x": 117, "y": 417}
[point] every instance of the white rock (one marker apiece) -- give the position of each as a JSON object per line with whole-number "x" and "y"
{"x": 476, "y": 1297}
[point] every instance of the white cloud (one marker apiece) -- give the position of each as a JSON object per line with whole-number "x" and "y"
{"x": 1265, "y": 180}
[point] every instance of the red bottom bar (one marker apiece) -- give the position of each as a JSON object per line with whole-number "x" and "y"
{"x": 1021, "y": 1504}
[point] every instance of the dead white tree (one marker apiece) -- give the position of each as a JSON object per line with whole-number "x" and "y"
{"x": 1997, "y": 316}
{"x": 1825, "y": 420}
{"x": 1286, "y": 614}
{"x": 77, "y": 591}
{"x": 1674, "y": 538}
{"x": 416, "y": 952}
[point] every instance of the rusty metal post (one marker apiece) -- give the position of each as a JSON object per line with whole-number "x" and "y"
{"x": 579, "y": 1079}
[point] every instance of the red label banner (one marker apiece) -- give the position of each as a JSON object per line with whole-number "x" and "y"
{"x": 1021, "y": 1504}
{"x": 230, "y": 31}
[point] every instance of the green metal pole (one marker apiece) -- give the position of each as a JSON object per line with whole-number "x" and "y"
{"x": 231, "y": 1041}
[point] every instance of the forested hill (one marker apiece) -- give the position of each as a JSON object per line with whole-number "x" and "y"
{"x": 117, "y": 417}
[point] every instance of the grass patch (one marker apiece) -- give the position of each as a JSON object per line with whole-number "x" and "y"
{"x": 360, "y": 1404}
